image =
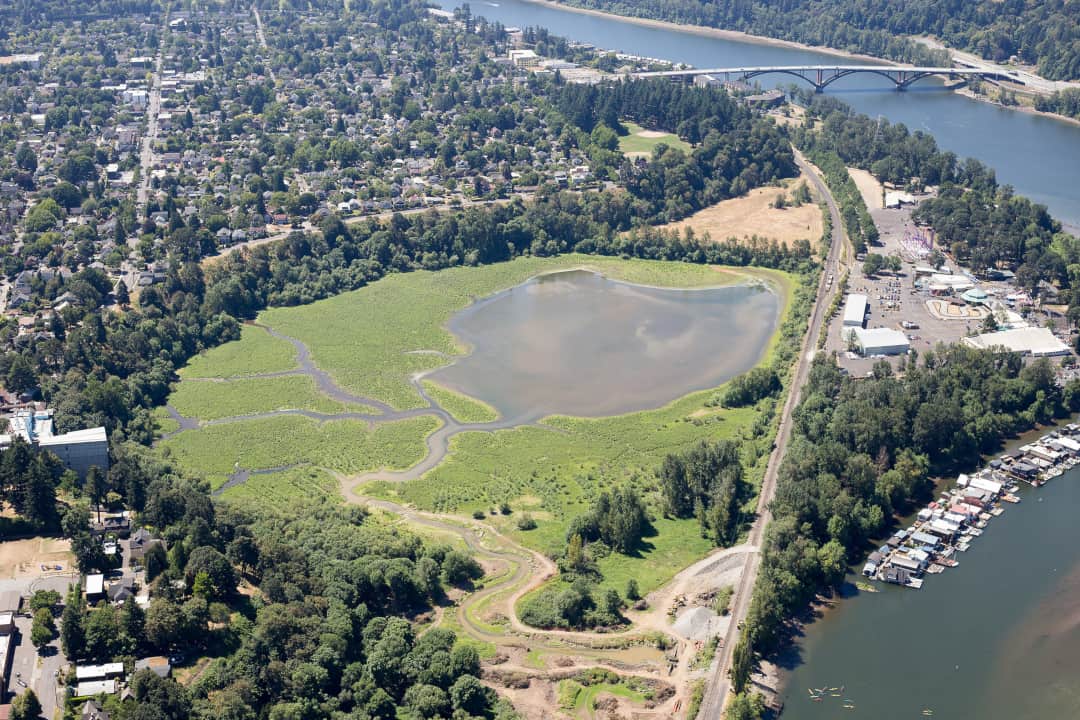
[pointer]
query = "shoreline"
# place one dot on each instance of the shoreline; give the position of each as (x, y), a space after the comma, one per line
(823, 606)
(741, 36)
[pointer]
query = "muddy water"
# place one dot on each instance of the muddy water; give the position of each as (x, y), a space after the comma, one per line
(577, 343)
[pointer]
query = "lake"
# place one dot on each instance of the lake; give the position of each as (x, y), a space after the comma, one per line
(577, 343)
(1038, 155)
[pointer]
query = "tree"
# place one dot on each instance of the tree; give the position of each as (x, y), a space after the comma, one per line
(25, 158)
(47, 599)
(459, 569)
(95, 488)
(21, 377)
(632, 592)
(220, 577)
(123, 297)
(72, 634)
(742, 663)
(26, 706)
(873, 264)
(468, 694)
(155, 561)
(43, 628)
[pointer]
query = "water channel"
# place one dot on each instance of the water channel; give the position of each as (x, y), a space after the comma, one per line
(1038, 155)
(577, 343)
(999, 636)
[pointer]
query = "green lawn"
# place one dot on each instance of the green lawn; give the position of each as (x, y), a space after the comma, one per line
(633, 142)
(345, 446)
(462, 407)
(256, 352)
(210, 399)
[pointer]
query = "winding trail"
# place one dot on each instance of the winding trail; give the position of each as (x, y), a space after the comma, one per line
(527, 570)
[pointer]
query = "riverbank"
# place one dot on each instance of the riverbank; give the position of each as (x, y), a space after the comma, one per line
(827, 613)
(740, 36)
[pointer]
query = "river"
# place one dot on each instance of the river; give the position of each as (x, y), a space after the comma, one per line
(1038, 155)
(996, 638)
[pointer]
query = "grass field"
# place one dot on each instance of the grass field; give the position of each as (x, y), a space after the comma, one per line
(256, 352)
(163, 422)
(754, 214)
(345, 446)
(283, 489)
(640, 141)
(462, 407)
(210, 400)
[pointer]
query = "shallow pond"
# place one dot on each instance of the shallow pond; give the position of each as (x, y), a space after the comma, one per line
(577, 343)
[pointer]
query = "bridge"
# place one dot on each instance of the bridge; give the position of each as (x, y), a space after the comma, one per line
(821, 76)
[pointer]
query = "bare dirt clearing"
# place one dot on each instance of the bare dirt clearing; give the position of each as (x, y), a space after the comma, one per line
(754, 214)
(25, 558)
(869, 187)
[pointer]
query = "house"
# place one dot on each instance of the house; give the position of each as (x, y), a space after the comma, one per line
(106, 671)
(122, 591)
(157, 664)
(95, 687)
(141, 541)
(91, 710)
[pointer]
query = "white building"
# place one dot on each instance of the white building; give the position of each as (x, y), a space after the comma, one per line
(855, 310)
(79, 450)
(524, 58)
(880, 341)
(1034, 341)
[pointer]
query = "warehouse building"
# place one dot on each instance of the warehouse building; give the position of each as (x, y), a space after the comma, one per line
(1034, 341)
(855, 308)
(879, 341)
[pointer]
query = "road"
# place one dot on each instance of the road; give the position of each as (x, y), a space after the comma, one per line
(28, 667)
(262, 41)
(716, 692)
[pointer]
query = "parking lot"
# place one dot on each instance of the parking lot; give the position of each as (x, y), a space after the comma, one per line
(894, 300)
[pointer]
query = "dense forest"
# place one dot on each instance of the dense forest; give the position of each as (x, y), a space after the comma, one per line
(864, 450)
(1044, 34)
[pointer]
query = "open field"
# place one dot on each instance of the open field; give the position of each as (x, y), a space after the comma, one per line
(346, 446)
(256, 352)
(211, 400)
(754, 214)
(163, 422)
(463, 408)
(24, 558)
(640, 142)
(368, 340)
(282, 489)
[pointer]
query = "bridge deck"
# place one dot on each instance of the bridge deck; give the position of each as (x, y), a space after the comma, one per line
(816, 68)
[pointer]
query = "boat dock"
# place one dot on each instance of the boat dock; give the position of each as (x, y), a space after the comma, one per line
(948, 525)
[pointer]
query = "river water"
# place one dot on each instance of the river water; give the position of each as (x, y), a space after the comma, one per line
(577, 343)
(996, 638)
(1038, 155)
